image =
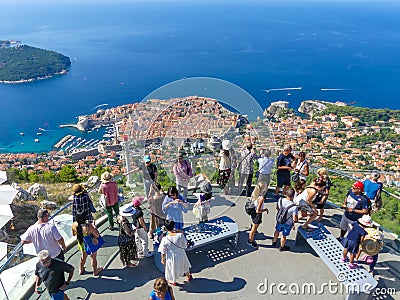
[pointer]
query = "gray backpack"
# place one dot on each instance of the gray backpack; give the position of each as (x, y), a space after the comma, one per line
(282, 215)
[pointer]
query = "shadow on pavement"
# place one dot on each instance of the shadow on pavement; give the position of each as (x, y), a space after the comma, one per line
(205, 285)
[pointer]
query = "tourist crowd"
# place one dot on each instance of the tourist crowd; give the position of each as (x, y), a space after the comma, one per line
(305, 200)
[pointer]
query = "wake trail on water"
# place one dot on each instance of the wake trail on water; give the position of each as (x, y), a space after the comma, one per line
(283, 89)
(100, 105)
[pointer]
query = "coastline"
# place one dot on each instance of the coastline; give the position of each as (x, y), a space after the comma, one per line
(62, 72)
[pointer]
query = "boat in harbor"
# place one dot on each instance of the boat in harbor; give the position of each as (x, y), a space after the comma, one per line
(21, 134)
(36, 140)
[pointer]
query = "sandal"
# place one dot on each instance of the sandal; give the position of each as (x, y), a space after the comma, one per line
(82, 271)
(98, 271)
(190, 278)
(172, 283)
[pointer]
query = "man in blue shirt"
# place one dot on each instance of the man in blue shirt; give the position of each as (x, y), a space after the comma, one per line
(355, 205)
(373, 190)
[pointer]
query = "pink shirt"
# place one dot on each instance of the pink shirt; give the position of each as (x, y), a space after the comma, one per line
(110, 189)
(43, 237)
(183, 172)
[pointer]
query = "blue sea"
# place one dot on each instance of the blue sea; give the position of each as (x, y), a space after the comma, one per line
(121, 51)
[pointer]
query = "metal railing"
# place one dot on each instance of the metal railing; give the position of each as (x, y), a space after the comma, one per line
(17, 253)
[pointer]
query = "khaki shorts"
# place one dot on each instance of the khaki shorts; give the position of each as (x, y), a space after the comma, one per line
(345, 223)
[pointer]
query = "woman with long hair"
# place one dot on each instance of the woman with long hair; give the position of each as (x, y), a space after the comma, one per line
(303, 169)
(256, 217)
(174, 206)
(156, 198)
(80, 228)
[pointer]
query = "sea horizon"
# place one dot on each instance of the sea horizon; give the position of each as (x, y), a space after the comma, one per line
(122, 52)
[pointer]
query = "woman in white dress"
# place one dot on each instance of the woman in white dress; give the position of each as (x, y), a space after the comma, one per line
(173, 255)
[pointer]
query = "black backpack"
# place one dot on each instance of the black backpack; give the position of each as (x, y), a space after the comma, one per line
(281, 216)
(249, 207)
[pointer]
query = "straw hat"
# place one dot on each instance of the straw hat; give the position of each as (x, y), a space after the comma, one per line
(373, 242)
(77, 189)
(106, 177)
(127, 210)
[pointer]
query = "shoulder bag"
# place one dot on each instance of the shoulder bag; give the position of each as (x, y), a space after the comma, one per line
(92, 244)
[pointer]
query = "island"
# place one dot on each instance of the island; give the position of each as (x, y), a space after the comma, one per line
(22, 63)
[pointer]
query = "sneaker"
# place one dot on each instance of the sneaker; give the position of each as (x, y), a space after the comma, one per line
(344, 259)
(284, 248)
(149, 254)
(352, 266)
(252, 244)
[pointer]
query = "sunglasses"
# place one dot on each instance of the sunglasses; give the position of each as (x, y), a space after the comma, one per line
(46, 261)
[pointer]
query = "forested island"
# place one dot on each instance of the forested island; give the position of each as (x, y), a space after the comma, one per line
(24, 63)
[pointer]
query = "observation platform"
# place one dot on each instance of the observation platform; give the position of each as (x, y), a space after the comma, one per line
(221, 271)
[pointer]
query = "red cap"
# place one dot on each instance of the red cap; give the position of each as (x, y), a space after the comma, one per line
(359, 185)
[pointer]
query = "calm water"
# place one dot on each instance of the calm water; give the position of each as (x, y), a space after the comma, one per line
(122, 51)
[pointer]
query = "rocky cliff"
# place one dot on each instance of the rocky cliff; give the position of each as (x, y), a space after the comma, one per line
(274, 109)
(310, 107)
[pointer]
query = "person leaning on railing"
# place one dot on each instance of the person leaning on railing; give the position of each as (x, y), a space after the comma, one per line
(44, 235)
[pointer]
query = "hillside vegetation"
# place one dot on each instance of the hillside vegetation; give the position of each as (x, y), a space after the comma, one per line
(366, 115)
(22, 63)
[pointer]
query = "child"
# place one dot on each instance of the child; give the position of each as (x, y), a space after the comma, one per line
(285, 226)
(161, 290)
(256, 218)
(355, 236)
(141, 229)
(202, 206)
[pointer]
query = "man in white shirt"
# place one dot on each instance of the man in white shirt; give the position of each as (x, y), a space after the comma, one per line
(265, 165)
(286, 225)
(45, 236)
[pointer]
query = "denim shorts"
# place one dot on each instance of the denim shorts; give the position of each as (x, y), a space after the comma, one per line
(284, 228)
(57, 296)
